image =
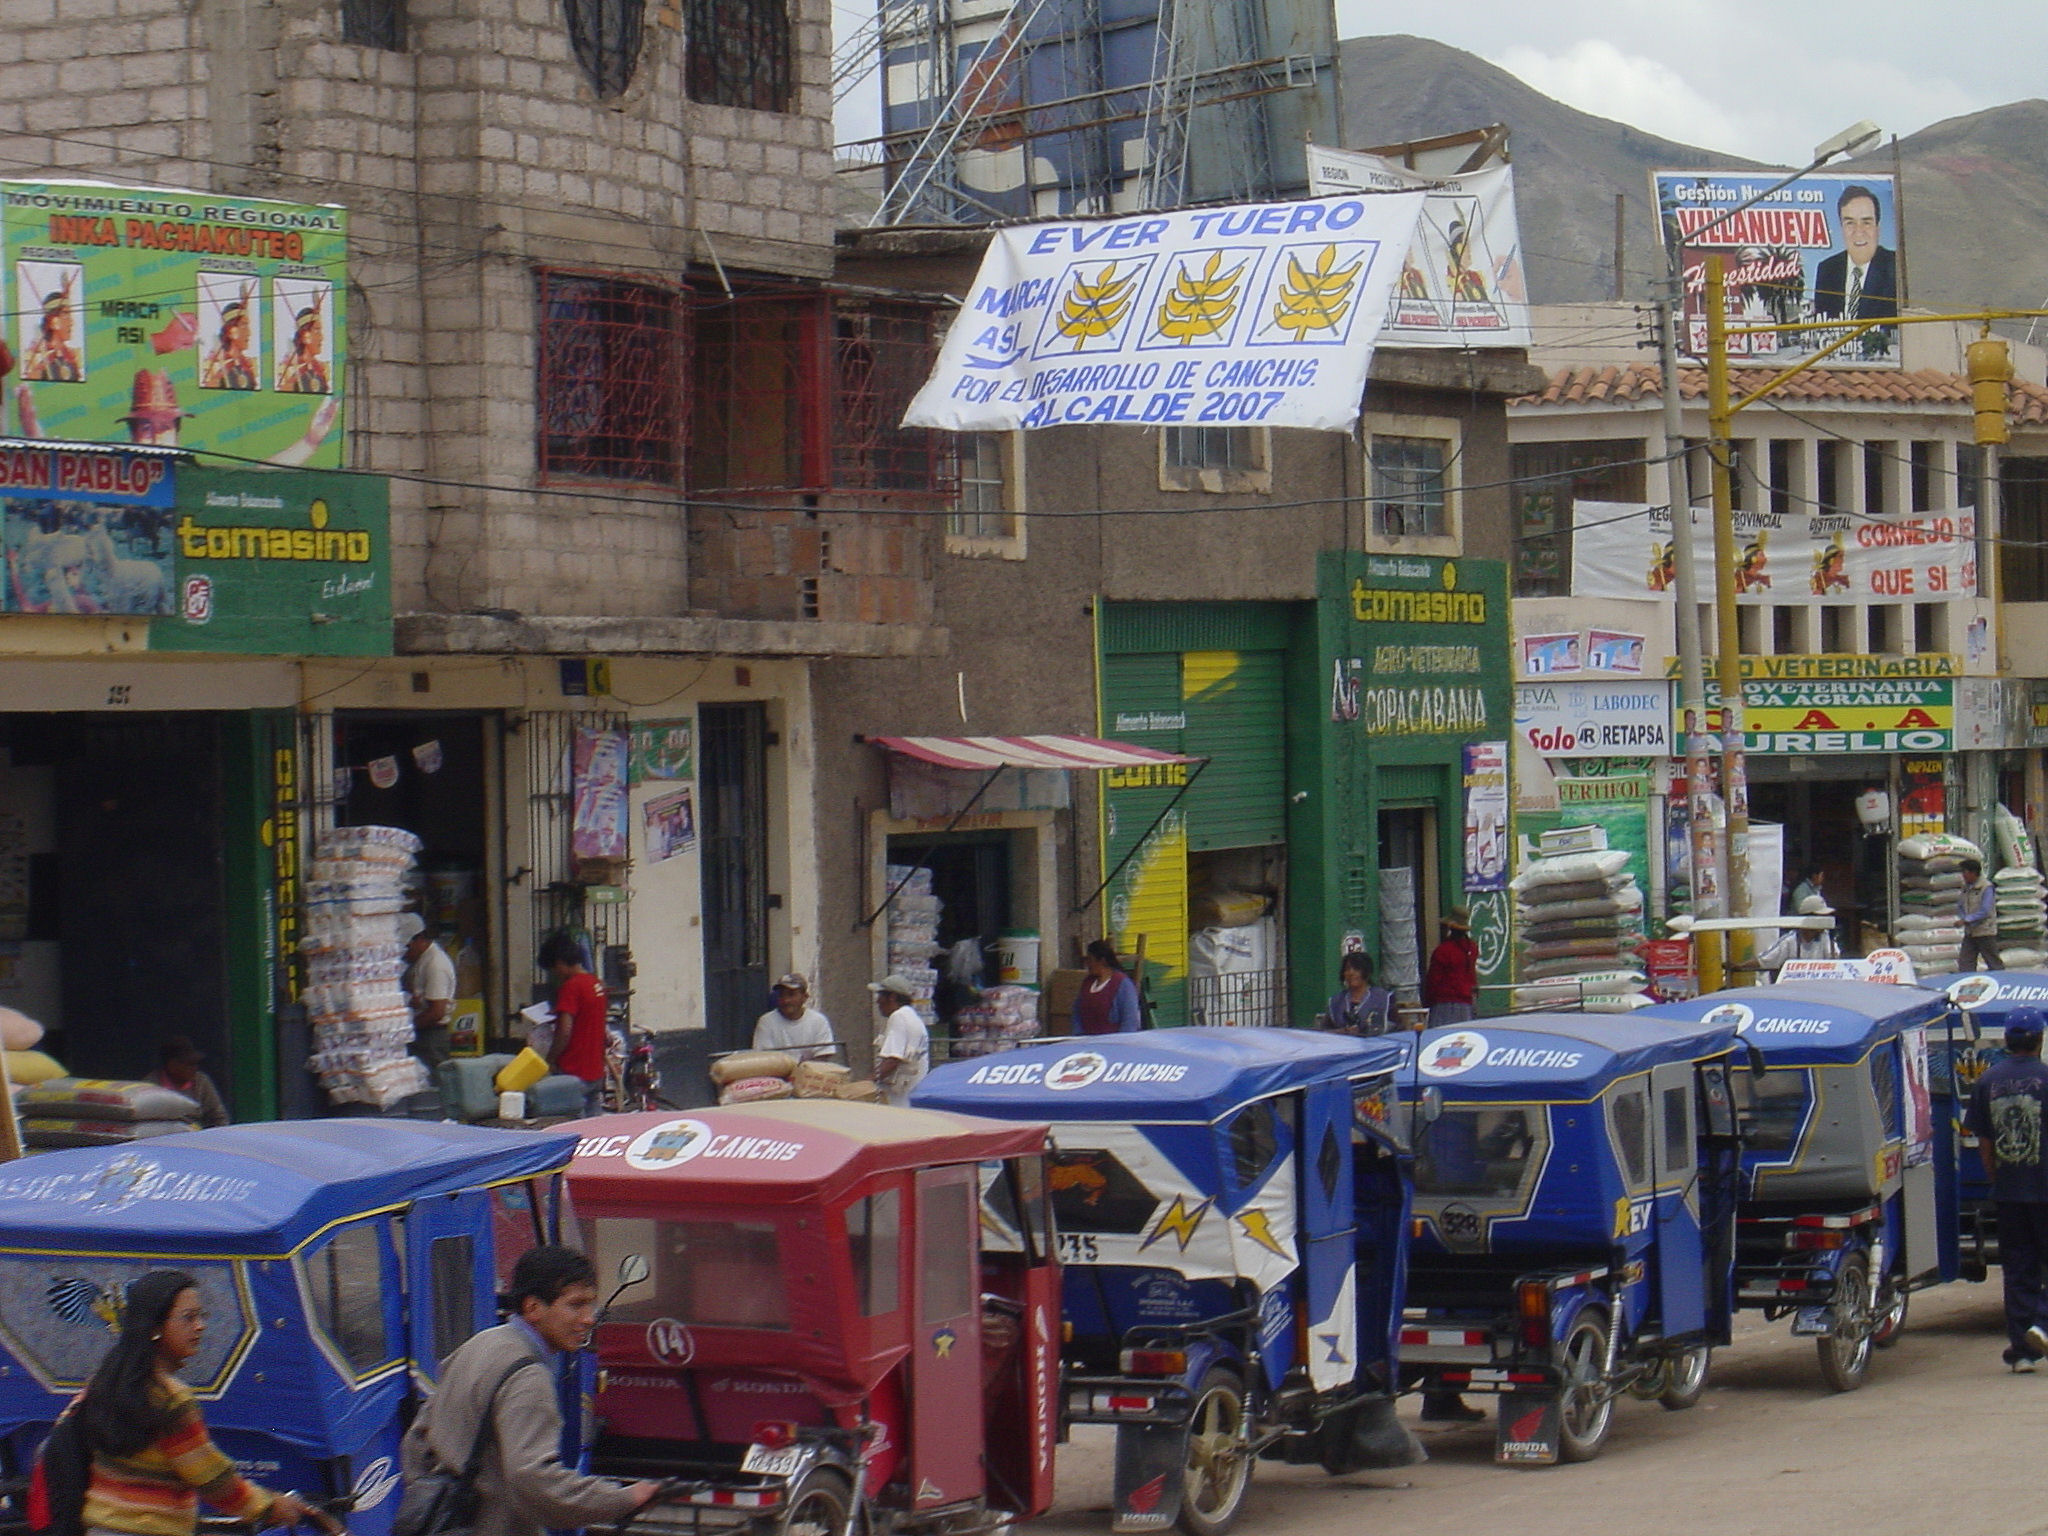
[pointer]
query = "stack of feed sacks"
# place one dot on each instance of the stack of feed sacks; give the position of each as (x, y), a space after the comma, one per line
(2022, 916)
(355, 889)
(1578, 933)
(88, 1112)
(1930, 890)
(914, 933)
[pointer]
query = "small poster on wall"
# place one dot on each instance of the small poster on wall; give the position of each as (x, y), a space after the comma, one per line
(1486, 816)
(670, 822)
(598, 772)
(664, 749)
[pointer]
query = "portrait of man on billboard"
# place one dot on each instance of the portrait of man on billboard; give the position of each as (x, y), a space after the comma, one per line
(1860, 281)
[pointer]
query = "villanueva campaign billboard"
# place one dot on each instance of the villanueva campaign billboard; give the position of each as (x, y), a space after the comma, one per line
(1821, 250)
(1461, 282)
(1256, 314)
(1624, 549)
(178, 319)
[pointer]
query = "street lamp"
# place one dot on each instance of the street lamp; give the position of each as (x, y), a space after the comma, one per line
(1685, 581)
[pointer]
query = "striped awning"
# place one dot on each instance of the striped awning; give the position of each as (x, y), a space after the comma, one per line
(982, 753)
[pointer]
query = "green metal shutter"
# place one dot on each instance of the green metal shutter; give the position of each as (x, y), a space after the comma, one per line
(1235, 702)
(1141, 704)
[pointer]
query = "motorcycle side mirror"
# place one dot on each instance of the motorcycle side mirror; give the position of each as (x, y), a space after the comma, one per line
(1432, 1105)
(633, 1271)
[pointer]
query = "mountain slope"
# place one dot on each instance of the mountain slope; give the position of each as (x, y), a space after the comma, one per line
(1975, 187)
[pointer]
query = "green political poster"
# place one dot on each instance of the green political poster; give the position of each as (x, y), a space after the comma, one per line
(176, 318)
(279, 563)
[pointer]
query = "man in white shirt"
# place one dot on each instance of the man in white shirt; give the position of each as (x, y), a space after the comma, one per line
(793, 1025)
(903, 1048)
(430, 986)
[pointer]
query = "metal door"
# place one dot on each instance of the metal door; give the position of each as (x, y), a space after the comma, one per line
(733, 782)
(947, 1423)
(1329, 1235)
(449, 1275)
(1681, 1254)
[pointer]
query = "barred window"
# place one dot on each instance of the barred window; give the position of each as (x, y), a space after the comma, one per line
(610, 379)
(738, 53)
(605, 37)
(1213, 448)
(1408, 487)
(374, 24)
(983, 496)
(885, 350)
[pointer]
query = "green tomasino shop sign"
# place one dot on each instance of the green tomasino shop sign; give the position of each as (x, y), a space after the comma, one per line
(1414, 667)
(280, 563)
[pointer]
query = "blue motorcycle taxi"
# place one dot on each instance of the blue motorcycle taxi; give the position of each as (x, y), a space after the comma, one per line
(1575, 1186)
(339, 1261)
(1231, 1207)
(1849, 1188)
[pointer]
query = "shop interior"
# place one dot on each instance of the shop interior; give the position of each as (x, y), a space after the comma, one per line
(1410, 897)
(438, 794)
(973, 878)
(113, 899)
(1237, 957)
(1820, 821)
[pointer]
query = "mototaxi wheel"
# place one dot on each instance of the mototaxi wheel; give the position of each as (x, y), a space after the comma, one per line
(1217, 1467)
(1893, 1303)
(1844, 1350)
(817, 1505)
(1586, 1406)
(1685, 1379)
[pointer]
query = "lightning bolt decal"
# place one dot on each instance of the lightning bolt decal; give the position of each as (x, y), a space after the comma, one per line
(1260, 1230)
(1178, 1222)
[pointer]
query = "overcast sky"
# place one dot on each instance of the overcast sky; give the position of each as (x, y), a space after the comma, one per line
(1760, 78)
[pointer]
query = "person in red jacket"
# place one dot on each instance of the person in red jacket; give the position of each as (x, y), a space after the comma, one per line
(579, 1042)
(1450, 988)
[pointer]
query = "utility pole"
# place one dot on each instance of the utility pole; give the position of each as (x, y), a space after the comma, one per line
(1692, 679)
(1734, 766)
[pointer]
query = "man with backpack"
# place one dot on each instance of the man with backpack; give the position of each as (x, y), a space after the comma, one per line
(496, 1411)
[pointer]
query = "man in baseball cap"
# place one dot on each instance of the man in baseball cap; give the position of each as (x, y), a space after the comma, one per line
(903, 1048)
(2008, 1116)
(793, 1025)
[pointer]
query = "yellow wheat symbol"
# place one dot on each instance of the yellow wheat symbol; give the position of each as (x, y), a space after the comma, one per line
(1200, 306)
(1315, 301)
(1095, 309)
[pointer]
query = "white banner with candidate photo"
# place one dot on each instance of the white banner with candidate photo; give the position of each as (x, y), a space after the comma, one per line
(1823, 249)
(1261, 314)
(1620, 549)
(1461, 283)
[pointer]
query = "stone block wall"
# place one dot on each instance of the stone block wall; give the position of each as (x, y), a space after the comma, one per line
(869, 567)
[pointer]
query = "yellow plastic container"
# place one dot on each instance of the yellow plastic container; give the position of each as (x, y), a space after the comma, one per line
(521, 1072)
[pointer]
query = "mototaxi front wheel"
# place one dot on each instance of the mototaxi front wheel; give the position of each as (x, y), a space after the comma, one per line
(1685, 1379)
(1844, 1350)
(1217, 1467)
(1893, 1302)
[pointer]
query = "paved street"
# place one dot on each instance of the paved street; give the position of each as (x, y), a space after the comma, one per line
(1939, 1439)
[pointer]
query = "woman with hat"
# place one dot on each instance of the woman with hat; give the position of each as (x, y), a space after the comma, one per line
(1450, 987)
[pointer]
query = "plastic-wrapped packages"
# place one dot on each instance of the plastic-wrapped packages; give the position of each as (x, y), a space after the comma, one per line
(752, 1090)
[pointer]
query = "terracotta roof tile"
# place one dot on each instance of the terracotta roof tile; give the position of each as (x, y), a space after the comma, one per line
(1841, 386)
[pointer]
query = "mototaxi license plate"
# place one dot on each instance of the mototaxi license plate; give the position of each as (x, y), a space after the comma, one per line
(781, 1463)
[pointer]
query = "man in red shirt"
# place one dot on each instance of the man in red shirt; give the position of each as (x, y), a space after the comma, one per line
(579, 1042)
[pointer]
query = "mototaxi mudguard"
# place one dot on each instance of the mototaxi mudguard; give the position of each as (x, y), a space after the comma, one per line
(1147, 1485)
(1528, 1424)
(1816, 1318)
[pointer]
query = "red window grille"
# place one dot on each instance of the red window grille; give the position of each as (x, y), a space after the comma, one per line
(610, 375)
(805, 392)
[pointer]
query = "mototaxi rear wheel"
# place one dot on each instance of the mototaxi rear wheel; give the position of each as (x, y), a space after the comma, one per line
(1844, 1350)
(1893, 1302)
(1217, 1468)
(817, 1506)
(1586, 1405)
(1685, 1379)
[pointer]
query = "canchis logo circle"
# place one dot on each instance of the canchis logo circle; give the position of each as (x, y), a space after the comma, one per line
(1975, 990)
(1455, 1054)
(1738, 1015)
(1076, 1071)
(668, 1145)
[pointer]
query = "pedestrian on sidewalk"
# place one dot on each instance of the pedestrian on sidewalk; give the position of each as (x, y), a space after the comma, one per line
(903, 1047)
(153, 1462)
(2008, 1113)
(578, 1049)
(499, 1390)
(1978, 912)
(1450, 987)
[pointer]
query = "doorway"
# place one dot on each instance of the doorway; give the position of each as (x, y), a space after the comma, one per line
(971, 876)
(1409, 893)
(733, 782)
(1821, 825)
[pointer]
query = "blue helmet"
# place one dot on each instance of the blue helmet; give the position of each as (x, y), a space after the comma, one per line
(2023, 1027)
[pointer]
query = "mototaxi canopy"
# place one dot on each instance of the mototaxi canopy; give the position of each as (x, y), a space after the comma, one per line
(1988, 996)
(1556, 1056)
(1189, 1075)
(1811, 1023)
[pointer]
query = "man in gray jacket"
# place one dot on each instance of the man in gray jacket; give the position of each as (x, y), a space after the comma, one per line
(523, 1488)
